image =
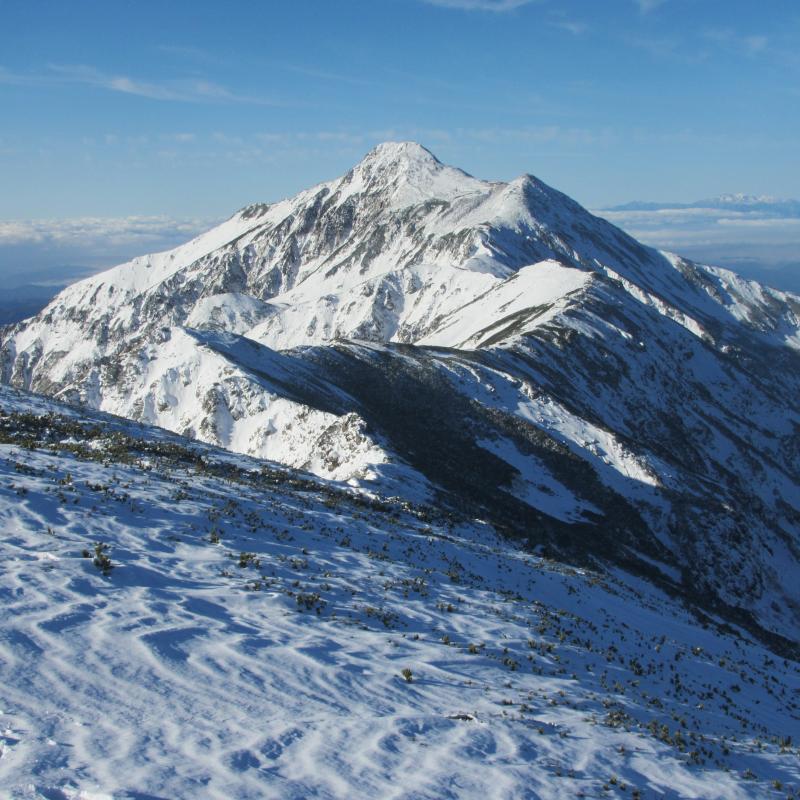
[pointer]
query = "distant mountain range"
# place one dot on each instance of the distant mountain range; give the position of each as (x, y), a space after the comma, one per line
(492, 348)
(764, 204)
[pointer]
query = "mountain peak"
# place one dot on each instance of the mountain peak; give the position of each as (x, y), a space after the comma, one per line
(394, 152)
(739, 198)
(408, 173)
(407, 161)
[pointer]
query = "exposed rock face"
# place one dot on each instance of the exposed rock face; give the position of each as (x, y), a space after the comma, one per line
(494, 344)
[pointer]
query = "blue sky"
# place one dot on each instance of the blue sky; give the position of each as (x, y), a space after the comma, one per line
(185, 111)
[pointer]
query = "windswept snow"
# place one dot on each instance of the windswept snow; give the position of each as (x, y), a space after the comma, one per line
(263, 634)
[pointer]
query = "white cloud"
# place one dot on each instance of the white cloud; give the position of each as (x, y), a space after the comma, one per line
(99, 232)
(186, 90)
(57, 251)
(538, 134)
(751, 45)
(676, 228)
(780, 225)
(570, 25)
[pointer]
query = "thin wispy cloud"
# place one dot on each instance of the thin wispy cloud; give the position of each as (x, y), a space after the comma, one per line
(185, 90)
(181, 138)
(189, 53)
(341, 137)
(749, 45)
(18, 79)
(755, 44)
(646, 6)
(533, 134)
(571, 26)
(181, 90)
(536, 134)
(670, 48)
(326, 75)
(481, 5)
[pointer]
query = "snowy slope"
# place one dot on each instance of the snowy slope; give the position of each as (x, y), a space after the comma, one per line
(489, 346)
(251, 636)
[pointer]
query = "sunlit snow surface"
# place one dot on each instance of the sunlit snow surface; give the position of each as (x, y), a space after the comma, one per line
(406, 330)
(182, 674)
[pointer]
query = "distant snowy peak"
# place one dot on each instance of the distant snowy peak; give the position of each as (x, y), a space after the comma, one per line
(392, 161)
(397, 157)
(407, 174)
(764, 205)
(395, 176)
(399, 208)
(745, 199)
(761, 204)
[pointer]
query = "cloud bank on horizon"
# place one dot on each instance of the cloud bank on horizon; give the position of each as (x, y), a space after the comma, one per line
(760, 242)
(59, 251)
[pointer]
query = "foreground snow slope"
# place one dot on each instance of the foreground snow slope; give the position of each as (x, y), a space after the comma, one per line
(251, 637)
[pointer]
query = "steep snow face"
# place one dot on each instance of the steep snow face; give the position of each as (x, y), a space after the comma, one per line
(229, 311)
(493, 344)
(530, 297)
(208, 387)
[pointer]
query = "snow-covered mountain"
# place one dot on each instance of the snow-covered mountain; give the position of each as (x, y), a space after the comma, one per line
(180, 621)
(491, 346)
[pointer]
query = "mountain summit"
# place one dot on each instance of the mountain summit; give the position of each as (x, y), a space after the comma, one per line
(410, 329)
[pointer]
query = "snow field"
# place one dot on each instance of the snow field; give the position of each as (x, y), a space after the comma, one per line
(251, 638)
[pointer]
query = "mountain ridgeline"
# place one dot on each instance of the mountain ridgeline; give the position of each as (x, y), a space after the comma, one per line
(491, 347)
